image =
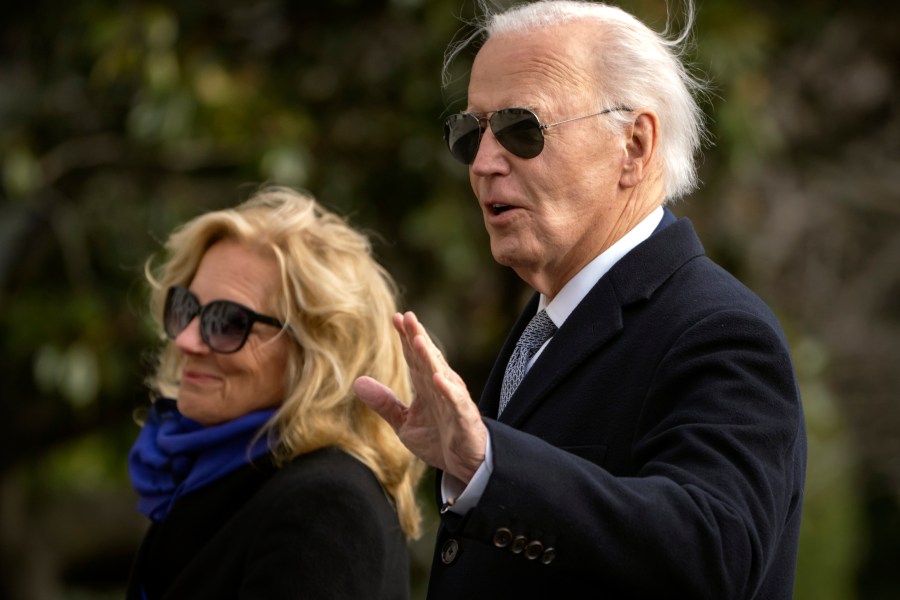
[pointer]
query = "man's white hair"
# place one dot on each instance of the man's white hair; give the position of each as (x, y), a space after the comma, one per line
(638, 68)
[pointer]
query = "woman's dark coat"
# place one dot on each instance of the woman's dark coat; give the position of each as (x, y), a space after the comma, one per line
(320, 527)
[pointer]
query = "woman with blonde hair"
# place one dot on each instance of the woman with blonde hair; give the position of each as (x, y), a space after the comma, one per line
(262, 473)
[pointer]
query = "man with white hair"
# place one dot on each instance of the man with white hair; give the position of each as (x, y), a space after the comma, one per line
(641, 434)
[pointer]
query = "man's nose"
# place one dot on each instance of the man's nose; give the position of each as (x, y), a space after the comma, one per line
(491, 156)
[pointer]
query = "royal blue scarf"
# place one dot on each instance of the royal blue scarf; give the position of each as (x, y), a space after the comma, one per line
(174, 455)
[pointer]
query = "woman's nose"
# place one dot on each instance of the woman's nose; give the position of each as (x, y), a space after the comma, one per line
(189, 340)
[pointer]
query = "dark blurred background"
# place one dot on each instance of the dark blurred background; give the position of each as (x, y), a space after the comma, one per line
(120, 120)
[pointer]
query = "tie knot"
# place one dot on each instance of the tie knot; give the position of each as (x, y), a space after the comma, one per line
(538, 331)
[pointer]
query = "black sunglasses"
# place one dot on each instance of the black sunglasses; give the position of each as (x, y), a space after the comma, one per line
(517, 129)
(224, 325)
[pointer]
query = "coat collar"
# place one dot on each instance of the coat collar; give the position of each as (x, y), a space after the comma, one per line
(594, 321)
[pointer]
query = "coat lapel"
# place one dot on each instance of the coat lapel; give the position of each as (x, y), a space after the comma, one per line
(593, 322)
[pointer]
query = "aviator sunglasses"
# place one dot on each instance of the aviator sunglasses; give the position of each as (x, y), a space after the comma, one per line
(224, 325)
(517, 129)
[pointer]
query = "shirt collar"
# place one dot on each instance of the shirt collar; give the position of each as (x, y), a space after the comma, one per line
(578, 287)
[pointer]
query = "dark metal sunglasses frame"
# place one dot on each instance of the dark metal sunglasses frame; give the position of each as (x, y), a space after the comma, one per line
(517, 129)
(224, 325)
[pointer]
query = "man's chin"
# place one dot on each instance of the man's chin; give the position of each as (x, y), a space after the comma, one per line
(511, 255)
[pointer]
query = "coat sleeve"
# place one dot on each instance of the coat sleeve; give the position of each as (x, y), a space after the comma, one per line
(717, 462)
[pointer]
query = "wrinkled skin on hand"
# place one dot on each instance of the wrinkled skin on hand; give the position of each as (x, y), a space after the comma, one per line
(442, 426)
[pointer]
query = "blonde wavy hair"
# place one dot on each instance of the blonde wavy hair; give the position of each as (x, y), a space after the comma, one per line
(336, 302)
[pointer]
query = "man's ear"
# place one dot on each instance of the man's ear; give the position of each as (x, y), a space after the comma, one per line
(640, 145)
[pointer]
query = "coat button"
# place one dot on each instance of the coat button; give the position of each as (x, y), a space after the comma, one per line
(533, 550)
(548, 556)
(502, 537)
(450, 551)
(518, 544)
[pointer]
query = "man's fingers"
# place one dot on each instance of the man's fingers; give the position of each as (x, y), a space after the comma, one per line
(381, 399)
(453, 389)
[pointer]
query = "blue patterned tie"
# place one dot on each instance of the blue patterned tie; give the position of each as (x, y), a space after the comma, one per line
(539, 330)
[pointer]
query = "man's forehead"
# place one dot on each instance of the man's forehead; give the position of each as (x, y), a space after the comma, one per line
(527, 70)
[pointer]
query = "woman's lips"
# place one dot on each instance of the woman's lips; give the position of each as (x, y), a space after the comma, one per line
(197, 377)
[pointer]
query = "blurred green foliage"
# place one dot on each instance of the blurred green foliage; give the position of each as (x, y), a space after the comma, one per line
(120, 120)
